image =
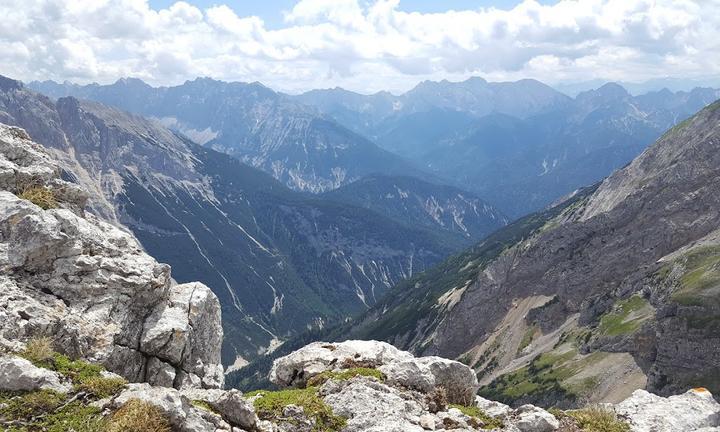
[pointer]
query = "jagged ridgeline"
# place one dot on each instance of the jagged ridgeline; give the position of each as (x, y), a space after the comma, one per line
(613, 290)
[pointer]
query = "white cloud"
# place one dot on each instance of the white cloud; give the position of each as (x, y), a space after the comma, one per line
(359, 44)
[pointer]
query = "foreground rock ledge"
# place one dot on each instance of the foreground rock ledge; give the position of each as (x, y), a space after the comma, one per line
(89, 286)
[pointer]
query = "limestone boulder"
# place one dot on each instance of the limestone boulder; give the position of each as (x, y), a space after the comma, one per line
(315, 358)
(690, 411)
(18, 374)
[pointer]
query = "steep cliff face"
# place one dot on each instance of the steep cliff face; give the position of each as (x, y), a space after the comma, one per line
(611, 291)
(410, 200)
(88, 285)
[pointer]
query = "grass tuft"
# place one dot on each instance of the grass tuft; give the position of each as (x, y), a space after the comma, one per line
(271, 404)
(102, 387)
(138, 416)
(40, 196)
(596, 419)
(39, 351)
(486, 421)
(344, 375)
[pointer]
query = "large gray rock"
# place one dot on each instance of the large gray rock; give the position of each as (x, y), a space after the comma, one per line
(90, 286)
(185, 330)
(230, 404)
(534, 419)
(425, 374)
(492, 408)
(373, 407)
(299, 366)
(691, 411)
(179, 410)
(18, 374)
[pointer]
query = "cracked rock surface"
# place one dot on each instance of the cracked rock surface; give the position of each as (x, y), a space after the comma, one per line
(89, 285)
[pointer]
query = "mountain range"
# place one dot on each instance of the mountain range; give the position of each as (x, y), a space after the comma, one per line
(297, 145)
(280, 261)
(518, 145)
(609, 287)
(614, 289)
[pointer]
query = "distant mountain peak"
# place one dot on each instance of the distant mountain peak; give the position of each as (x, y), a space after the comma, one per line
(8, 84)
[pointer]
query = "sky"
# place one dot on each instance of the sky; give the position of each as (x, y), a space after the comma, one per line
(361, 45)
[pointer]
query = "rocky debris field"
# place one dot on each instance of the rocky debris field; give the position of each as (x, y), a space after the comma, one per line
(351, 386)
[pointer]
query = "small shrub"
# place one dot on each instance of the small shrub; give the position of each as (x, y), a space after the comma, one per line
(101, 387)
(40, 196)
(39, 351)
(598, 419)
(138, 416)
(437, 400)
(486, 421)
(272, 403)
(344, 375)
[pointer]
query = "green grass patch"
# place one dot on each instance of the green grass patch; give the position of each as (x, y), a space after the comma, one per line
(701, 277)
(101, 387)
(270, 405)
(344, 375)
(43, 410)
(597, 419)
(530, 335)
(475, 412)
(544, 376)
(29, 405)
(201, 404)
(75, 417)
(78, 371)
(618, 321)
(85, 376)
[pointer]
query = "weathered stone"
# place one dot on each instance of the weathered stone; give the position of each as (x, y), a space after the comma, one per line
(693, 410)
(18, 374)
(315, 358)
(534, 419)
(230, 404)
(90, 286)
(178, 409)
(427, 373)
(428, 421)
(372, 406)
(492, 408)
(159, 373)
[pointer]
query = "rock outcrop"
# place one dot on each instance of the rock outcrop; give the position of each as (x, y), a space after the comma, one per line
(695, 410)
(18, 374)
(296, 368)
(378, 403)
(89, 285)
